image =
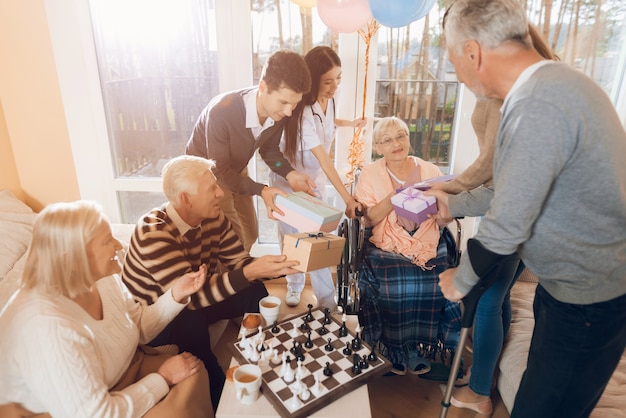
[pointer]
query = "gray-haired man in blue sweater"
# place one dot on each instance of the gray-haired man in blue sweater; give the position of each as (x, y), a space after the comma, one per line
(559, 201)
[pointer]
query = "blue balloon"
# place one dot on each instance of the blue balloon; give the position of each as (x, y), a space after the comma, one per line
(399, 13)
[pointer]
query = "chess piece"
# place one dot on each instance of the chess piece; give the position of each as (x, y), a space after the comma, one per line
(329, 346)
(356, 342)
(299, 354)
(254, 355)
(293, 348)
(275, 329)
(323, 330)
(327, 370)
(327, 316)
(372, 356)
(343, 330)
(316, 389)
(288, 376)
(308, 343)
(300, 371)
(305, 394)
(309, 315)
(244, 341)
(275, 358)
(304, 326)
(294, 403)
(363, 364)
(283, 367)
(356, 369)
(347, 351)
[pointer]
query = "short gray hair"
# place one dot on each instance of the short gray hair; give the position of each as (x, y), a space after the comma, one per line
(488, 22)
(181, 174)
(384, 124)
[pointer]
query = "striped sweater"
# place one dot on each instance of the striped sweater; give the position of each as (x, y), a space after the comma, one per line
(158, 255)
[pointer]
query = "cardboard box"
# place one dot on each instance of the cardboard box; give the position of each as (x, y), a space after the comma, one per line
(411, 203)
(307, 213)
(313, 250)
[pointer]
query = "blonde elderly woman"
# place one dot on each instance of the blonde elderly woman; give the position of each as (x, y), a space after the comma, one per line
(402, 309)
(71, 333)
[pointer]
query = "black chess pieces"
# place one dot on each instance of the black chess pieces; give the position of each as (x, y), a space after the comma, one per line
(363, 364)
(372, 356)
(329, 346)
(323, 330)
(327, 370)
(343, 330)
(347, 351)
(356, 368)
(309, 315)
(299, 354)
(327, 316)
(308, 343)
(304, 327)
(275, 329)
(356, 343)
(293, 348)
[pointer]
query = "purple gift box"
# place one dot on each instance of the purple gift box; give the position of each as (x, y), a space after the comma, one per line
(411, 203)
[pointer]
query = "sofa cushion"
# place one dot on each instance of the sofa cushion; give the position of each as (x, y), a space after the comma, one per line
(16, 223)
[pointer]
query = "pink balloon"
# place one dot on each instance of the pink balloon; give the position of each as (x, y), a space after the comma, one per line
(344, 15)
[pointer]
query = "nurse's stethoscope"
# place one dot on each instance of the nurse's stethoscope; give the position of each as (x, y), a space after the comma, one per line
(315, 114)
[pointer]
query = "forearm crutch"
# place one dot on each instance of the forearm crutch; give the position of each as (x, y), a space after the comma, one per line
(489, 266)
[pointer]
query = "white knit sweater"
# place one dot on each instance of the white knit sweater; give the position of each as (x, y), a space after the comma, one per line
(56, 358)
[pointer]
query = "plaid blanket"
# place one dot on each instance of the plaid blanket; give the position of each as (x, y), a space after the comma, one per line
(402, 308)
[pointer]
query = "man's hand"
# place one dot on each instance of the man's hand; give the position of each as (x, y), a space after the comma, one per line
(447, 286)
(301, 182)
(179, 367)
(189, 284)
(268, 194)
(443, 216)
(269, 267)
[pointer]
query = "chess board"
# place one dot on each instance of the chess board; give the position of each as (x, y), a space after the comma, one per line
(289, 333)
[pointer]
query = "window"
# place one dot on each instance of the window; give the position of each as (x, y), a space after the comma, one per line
(126, 181)
(157, 63)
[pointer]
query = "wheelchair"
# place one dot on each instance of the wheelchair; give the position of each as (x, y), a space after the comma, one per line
(347, 288)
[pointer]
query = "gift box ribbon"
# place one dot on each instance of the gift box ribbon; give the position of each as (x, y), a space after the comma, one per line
(411, 194)
(316, 236)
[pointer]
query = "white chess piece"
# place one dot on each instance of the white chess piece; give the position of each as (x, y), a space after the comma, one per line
(294, 403)
(300, 372)
(288, 376)
(316, 389)
(254, 355)
(283, 367)
(275, 358)
(305, 394)
(244, 341)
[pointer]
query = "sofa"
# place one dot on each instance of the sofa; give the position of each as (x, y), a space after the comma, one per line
(515, 352)
(16, 224)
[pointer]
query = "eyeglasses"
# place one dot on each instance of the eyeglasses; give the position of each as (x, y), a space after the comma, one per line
(388, 140)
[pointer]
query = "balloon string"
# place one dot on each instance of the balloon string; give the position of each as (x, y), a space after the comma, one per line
(355, 157)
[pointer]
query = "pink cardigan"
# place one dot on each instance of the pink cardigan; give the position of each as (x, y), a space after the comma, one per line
(374, 184)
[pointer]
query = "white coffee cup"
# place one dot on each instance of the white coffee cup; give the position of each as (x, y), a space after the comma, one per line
(247, 380)
(269, 307)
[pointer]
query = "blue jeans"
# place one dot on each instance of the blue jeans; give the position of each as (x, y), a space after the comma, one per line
(573, 353)
(491, 324)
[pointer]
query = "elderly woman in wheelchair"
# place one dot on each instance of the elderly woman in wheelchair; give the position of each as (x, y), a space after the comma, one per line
(402, 309)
